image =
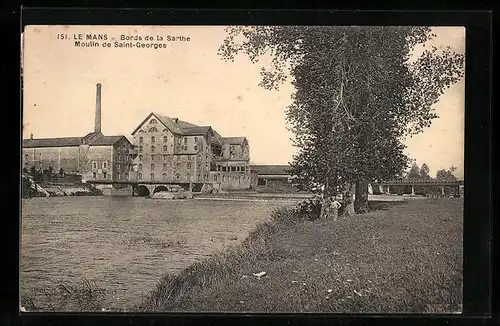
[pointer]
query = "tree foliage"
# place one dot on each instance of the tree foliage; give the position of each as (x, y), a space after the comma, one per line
(414, 173)
(357, 94)
(446, 175)
(424, 171)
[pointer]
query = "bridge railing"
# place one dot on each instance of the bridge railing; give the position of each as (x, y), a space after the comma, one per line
(419, 182)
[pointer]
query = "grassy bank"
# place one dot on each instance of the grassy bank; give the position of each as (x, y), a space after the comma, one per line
(404, 259)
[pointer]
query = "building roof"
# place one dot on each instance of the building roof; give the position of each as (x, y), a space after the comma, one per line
(107, 140)
(192, 131)
(52, 142)
(70, 141)
(233, 140)
(182, 127)
(271, 169)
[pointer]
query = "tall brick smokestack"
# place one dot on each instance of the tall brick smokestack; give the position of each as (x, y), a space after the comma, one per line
(97, 127)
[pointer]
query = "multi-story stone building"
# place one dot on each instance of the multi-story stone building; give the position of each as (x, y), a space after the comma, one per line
(175, 151)
(94, 156)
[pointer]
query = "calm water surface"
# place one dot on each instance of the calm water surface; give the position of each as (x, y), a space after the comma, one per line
(126, 244)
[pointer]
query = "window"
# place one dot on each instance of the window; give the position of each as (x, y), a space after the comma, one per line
(215, 177)
(94, 175)
(164, 148)
(118, 168)
(189, 157)
(188, 177)
(141, 140)
(140, 149)
(164, 175)
(195, 139)
(140, 157)
(152, 176)
(140, 167)
(153, 129)
(139, 176)
(153, 122)
(185, 141)
(153, 139)
(195, 147)
(119, 176)
(165, 139)
(104, 175)
(189, 165)
(26, 157)
(177, 176)
(152, 157)
(164, 166)
(164, 157)
(178, 165)
(152, 149)
(152, 166)
(105, 164)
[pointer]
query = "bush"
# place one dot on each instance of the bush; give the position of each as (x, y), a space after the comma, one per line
(310, 209)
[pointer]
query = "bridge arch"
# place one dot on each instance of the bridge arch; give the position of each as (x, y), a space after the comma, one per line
(160, 188)
(142, 191)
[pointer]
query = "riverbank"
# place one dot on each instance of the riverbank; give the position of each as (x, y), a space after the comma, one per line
(406, 259)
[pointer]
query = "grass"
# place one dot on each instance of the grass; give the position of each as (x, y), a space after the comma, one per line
(400, 258)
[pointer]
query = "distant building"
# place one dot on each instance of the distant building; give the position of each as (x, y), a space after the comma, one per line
(175, 151)
(272, 175)
(94, 156)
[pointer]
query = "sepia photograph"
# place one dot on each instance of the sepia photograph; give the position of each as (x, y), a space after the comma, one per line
(242, 169)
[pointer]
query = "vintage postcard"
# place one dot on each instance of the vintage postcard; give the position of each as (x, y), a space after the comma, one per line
(261, 169)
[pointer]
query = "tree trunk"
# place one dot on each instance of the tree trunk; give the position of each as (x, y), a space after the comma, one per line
(328, 208)
(361, 198)
(348, 202)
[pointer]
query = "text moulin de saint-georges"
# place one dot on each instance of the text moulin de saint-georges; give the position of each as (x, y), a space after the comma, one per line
(86, 40)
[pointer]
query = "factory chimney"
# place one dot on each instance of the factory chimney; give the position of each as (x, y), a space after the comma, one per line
(97, 127)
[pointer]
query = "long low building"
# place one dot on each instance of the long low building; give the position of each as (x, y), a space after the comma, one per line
(271, 175)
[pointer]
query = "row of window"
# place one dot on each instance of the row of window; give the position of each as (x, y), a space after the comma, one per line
(233, 179)
(231, 168)
(174, 157)
(105, 165)
(177, 177)
(165, 148)
(165, 139)
(170, 164)
(104, 175)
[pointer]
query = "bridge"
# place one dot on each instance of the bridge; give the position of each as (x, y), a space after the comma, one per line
(146, 188)
(421, 182)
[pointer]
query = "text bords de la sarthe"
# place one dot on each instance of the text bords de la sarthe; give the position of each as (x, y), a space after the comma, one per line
(89, 40)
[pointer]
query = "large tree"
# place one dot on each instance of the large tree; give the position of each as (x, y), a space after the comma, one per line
(357, 96)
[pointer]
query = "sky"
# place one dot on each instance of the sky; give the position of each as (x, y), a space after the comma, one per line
(188, 80)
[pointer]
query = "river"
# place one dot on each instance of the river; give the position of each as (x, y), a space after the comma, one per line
(125, 244)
